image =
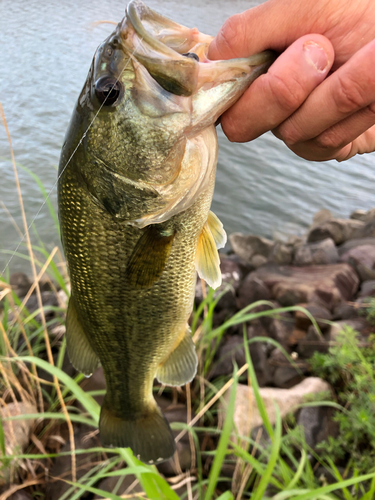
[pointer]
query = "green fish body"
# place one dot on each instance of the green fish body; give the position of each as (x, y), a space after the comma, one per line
(136, 180)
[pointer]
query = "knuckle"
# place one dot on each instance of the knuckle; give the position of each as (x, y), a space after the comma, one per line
(289, 95)
(231, 35)
(349, 95)
(330, 141)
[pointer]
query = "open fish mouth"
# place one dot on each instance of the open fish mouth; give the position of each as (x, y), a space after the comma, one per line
(176, 56)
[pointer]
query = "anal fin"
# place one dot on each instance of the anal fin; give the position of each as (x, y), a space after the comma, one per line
(207, 261)
(181, 365)
(149, 257)
(81, 354)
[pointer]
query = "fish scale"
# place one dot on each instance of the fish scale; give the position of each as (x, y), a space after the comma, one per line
(134, 207)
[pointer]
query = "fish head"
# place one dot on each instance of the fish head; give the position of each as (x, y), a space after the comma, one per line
(151, 89)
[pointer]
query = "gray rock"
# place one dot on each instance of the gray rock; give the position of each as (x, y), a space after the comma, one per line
(368, 228)
(16, 435)
(323, 215)
(313, 342)
(248, 246)
(247, 416)
(20, 284)
(358, 215)
(288, 376)
(258, 260)
(251, 290)
(359, 324)
(230, 351)
(281, 254)
(18, 495)
(367, 289)
(326, 285)
(62, 466)
(322, 252)
(319, 313)
(317, 424)
(345, 310)
(356, 242)
(340, 230)
(362, 258)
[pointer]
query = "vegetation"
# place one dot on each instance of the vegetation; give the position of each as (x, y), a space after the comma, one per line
(281, 467)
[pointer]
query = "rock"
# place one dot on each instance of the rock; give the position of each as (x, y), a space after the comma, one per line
(357, 242)
(367, 289)
(20, 284)
(322, 252)
(358, 215)
(230, 351)
(317, 424)
(359, 324)
(326, 285)
(16, 433)
(345, 310)
(319, 313)
(285, 374)
(296, 336)
(288, 376)
(62, 466)
(340, 230)
(313, 342)
(367, 230)
(258, 261)
(362, 258)
(248, 246)
(21, 494)
(247, 416)
(251, 290)
(323, 215)
(232, 274)
(126, 487)
(281, 254)
(48, 299)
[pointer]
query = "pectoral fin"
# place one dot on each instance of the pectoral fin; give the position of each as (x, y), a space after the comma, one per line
(181, 365)
(207, 260)
(81, 354)
(149, 257)
(217, 230)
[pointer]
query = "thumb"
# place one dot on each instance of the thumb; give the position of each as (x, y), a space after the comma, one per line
(271, 25)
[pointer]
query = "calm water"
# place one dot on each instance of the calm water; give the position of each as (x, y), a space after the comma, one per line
(45, 52)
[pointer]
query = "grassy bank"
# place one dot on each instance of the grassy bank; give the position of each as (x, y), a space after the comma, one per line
(276, 463)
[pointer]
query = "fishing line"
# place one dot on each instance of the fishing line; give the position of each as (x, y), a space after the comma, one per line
(67, 163)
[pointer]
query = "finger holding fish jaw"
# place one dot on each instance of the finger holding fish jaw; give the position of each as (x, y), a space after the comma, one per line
(276, 95)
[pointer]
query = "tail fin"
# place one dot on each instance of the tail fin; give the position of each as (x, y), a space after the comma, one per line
(150, 436)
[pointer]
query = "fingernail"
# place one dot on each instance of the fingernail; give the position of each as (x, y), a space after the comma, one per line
(315, 55)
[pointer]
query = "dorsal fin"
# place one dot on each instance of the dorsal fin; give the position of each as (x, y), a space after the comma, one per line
(217, 230)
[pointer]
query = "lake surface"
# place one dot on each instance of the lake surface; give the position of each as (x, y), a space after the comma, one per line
(46, 49)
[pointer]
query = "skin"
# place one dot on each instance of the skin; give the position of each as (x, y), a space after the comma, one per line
(319, 96)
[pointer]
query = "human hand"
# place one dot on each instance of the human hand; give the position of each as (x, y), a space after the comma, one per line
(319, 117)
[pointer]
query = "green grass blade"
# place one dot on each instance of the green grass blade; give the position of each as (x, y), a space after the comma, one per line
(85, 399)
(223, 442)
(226, 496)
(276, 443)
(255, 386)
(313, 494)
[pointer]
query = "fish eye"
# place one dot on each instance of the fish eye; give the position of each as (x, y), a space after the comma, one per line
(108, 90)
(192, 55)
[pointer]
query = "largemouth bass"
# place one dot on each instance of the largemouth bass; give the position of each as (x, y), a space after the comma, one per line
(136, 180)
